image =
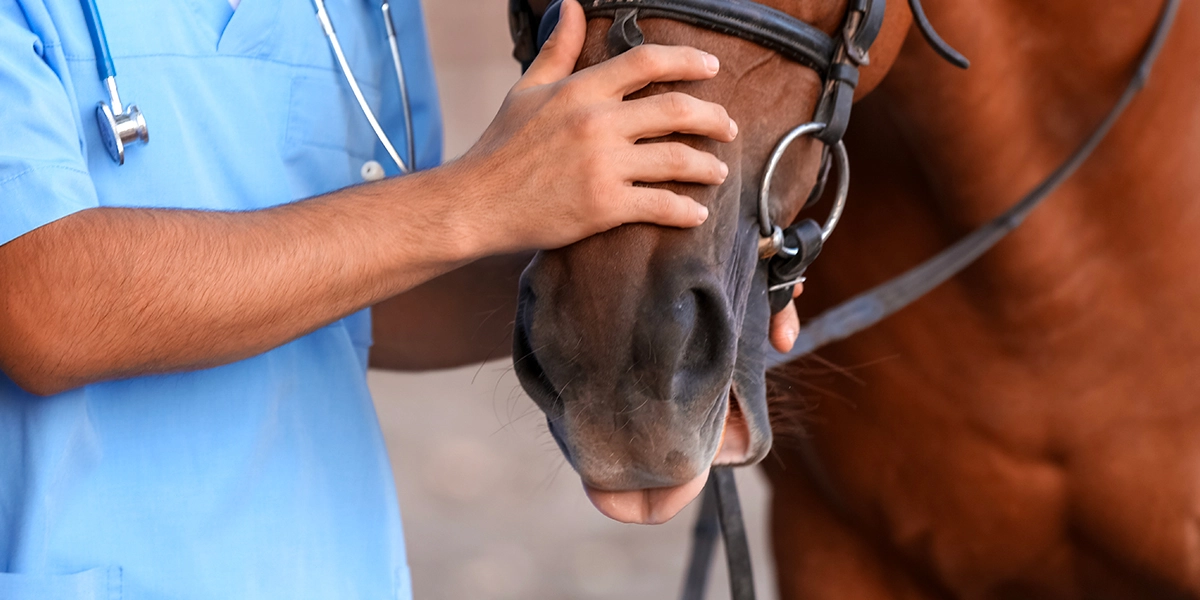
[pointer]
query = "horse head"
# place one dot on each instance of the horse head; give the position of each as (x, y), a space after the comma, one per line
(646, 346)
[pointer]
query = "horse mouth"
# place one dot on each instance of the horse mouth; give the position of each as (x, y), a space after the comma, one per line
(655, 506)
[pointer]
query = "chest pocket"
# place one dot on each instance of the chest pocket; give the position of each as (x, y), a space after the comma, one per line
(327, 138)
(324, 113)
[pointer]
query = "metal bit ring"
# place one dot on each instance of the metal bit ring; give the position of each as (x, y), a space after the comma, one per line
(767, 245)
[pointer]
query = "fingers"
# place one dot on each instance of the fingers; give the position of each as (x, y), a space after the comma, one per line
(675, 112)
(664, 207)
(558, 56)
(785, 326)
(648, 64)
(673, 161)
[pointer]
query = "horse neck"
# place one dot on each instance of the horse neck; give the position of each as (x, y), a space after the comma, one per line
(1043, 76)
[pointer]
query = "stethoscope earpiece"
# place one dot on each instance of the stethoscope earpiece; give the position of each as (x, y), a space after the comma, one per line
(121, 128)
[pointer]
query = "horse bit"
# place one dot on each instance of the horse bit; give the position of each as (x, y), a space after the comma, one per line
(789, 251)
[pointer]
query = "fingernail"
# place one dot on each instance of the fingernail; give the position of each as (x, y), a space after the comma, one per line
(733, 128)
(712, 63)
(703, 213)
(789, 333)
(724, 171)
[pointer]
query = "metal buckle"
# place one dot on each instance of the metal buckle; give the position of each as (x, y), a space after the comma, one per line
(857, 55)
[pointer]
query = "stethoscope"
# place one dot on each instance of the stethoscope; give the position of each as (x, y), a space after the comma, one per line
(121, 126)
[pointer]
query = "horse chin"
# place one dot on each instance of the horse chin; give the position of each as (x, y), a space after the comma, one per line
(659, 505)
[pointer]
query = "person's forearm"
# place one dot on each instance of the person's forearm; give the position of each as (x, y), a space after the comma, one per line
(109, 293)
(459, 318)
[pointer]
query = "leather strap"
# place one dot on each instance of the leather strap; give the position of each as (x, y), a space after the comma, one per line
(859, 32)
(750, 21)
(720, 505)
(704, 543)
(872, 23)
(737, 548)
(867, 309)
(522, 27)
(946, 51)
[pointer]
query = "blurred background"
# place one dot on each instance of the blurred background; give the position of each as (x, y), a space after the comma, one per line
(491, 510)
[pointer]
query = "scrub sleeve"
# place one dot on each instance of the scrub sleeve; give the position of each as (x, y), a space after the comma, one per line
(43, 172)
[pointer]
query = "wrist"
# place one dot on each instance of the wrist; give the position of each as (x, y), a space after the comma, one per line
(433, 214)
(476, 228)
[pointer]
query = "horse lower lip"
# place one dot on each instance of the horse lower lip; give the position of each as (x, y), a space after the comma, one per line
(659, 505)
(646, 507)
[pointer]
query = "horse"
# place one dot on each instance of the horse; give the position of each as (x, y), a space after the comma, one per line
(1028, 429)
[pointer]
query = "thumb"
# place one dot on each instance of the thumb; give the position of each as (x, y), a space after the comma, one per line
(560, 53)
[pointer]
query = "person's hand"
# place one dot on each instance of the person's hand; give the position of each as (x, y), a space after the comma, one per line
(560, 161)
(785, 325)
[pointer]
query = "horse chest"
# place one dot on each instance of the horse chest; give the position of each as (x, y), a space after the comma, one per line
(985, 480)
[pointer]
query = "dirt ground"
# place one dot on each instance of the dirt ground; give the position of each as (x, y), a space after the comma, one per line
(491, 510)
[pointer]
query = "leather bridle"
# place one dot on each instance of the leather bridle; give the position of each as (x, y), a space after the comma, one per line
(790, 251)
(787, 251)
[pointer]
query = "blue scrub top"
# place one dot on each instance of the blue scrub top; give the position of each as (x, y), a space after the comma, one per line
(263, 479)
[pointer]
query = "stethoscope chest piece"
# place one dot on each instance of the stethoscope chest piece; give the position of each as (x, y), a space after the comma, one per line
(119, 125)
(120, 129)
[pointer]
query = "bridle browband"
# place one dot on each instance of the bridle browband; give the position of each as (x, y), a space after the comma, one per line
(790, 251)
(793, 39)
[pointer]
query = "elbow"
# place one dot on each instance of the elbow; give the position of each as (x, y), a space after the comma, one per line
(32, 360)
(37, 384)
(24, 371)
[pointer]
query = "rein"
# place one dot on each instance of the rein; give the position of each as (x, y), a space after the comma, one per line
(788, 252)
(871, 307)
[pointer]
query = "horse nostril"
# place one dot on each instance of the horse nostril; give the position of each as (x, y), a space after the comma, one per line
(702, 349)
(686, 347)
(525, 361)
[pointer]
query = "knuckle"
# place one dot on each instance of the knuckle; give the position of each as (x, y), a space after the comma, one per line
(714, 168)
(664, 204)
(676, 154)
(678, 104)
(596, 171)
(588, 124)
(646, 58)
(598, 204)
(551, 44)
(721, 114)
(570, 89)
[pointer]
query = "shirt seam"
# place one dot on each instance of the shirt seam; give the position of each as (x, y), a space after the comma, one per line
(91, 58)
(12, 178)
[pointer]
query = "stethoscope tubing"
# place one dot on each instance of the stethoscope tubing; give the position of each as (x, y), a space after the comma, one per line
(399, 64)
(129, 123)
(352, 81)
(104, 62)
